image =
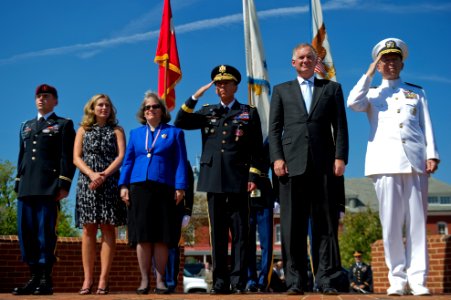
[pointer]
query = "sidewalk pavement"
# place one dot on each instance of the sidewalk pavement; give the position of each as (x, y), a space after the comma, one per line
(203, 296)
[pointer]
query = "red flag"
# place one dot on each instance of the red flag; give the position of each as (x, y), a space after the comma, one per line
(167, 57)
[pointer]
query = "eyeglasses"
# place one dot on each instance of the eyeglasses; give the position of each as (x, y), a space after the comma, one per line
(154, 106)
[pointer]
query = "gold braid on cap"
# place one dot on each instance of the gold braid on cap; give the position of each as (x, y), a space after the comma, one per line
(390, 47)
(222, 75)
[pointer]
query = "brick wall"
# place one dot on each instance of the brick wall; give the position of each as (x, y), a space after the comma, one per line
(125, 275)
(68, 271)
(439, 279)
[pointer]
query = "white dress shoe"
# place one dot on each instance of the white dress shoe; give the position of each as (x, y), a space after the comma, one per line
(395, 291)
(420, 290)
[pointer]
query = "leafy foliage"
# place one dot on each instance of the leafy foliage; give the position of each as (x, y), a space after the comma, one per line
(7, 199)
(360, 230)
(8, 205)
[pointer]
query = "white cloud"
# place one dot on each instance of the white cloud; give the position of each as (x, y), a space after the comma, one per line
(89, 50)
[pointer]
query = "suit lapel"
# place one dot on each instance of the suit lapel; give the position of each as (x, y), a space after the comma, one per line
(297, 96)
(317, 93)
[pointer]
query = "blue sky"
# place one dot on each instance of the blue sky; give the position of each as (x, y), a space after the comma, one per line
(107, 46)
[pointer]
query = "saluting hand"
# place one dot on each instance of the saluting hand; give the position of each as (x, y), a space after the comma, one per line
(202, 90)
(373, 65)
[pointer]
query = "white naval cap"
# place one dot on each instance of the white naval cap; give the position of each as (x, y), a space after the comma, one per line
(391, 45)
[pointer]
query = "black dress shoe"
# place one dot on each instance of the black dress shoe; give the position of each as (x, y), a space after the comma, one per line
(44, 288)
(329, 291)
(161, 291)
(27, 289)
(215, 291)
(295, 291)
(251, 289)
(237, 291)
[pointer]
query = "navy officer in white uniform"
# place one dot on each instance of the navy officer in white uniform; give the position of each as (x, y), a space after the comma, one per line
(401, 153)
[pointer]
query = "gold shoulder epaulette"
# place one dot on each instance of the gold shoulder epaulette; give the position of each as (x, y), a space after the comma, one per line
(206, 104)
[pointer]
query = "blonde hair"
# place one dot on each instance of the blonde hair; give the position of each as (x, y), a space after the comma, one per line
(165, 116)
(89, 117)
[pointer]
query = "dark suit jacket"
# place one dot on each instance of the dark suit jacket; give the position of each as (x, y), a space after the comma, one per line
(231, 145)
(45, 157)
(293, 132)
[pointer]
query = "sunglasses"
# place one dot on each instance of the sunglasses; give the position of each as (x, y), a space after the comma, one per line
(154, 106)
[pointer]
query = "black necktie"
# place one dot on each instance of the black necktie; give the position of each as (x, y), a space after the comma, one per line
(41, 121)
(226, 110)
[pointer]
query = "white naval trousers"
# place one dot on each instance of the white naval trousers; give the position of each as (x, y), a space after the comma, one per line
(403, 202)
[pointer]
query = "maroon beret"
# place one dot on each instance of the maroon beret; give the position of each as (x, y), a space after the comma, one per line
(46, 89)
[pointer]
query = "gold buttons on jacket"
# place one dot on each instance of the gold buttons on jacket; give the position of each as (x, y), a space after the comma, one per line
(401, 125)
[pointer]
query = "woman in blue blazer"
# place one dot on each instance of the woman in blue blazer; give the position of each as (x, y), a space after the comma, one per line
(153, 181)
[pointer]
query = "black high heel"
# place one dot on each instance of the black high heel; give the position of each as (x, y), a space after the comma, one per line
(143, 291)
(86, 291)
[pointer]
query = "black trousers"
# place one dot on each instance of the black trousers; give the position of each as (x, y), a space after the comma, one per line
(310, 196)
(229, 212)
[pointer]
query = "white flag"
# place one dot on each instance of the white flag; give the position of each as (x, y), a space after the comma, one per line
(324, 66)
(257, 73)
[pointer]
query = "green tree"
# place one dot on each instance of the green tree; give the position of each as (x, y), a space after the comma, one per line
(360, 230)
(7, 199)
(8, 205)
(65, 227)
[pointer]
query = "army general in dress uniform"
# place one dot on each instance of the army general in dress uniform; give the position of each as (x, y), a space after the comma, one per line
(231, 152)
(44, 176)
(360, 276)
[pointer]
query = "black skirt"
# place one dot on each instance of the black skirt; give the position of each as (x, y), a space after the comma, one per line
(152, 213)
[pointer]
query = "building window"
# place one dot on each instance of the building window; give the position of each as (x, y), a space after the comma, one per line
(433, 200)
(445, 200)
(277, 237)
(442, 228)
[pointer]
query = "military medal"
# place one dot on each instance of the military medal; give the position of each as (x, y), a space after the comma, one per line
(410, 94)
(239, 132)
(149, 150)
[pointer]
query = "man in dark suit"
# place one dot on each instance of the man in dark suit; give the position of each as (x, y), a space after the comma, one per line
(308, 140)
(232, 146)
(261, 221)
(44, 176)
(184, 210)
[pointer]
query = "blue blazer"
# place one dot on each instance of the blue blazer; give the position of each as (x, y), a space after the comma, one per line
(168, 161)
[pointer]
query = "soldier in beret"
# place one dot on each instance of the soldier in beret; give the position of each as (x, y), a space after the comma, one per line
(229, 169)
(44, 176)
(401, 153)
(360, 276)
